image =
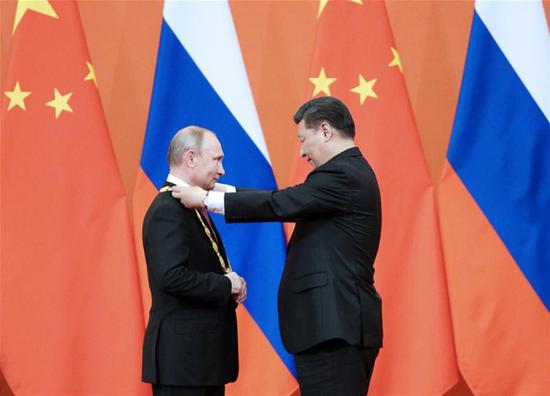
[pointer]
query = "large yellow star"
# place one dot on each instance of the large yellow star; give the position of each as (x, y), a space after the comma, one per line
(60, 102)
(396, 61)
(91, 73)
(322, 83)
(323, 3)
(40, 6)
(17, 97)
(365, 89)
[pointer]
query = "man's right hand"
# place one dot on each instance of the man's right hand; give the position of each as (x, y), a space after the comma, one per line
(220, 187)
(190, 197)
(238, 287)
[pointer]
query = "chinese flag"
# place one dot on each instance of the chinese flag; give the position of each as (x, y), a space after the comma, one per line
(71, 318)
(355, 60)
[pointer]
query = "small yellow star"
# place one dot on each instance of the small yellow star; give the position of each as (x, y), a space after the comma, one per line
(323, 3)
(40, 6)
(364, 89)
(17, 97)
(91, 73)
(322, 83)
(60, 102)
(396, 61)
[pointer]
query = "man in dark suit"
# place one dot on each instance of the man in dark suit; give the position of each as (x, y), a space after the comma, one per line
(190, 345)
(329, 311)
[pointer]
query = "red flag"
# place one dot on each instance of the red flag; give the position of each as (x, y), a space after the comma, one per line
(355, 60)
(71, 319)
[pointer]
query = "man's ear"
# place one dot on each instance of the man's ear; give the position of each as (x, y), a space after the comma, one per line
(326, 130)
(189, 158)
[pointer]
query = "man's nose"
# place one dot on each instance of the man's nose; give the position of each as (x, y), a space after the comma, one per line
(221, 171)
(302, 154)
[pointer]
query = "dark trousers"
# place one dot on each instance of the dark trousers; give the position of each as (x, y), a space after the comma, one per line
(335, 368)
(170, 390)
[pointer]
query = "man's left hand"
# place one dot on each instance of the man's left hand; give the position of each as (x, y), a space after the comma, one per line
(190, 197)
(241, 296)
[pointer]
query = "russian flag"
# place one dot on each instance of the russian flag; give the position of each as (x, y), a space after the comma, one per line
(495, 203)
(201, 80)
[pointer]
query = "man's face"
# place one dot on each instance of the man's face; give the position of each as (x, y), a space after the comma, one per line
(311, 144)
(209, 167)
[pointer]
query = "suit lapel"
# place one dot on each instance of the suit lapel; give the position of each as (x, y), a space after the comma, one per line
(212, 227)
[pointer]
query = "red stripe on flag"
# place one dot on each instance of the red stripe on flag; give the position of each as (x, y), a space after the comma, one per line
(501, 327)
(261, 371)
(144, 193)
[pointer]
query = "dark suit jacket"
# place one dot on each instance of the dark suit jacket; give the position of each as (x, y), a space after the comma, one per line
(327, 288)
(191, 337)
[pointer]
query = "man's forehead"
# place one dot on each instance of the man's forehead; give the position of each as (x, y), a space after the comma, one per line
(210, 141)
(214, 149)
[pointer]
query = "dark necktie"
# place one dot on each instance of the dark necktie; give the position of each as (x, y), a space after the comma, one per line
(204, 214)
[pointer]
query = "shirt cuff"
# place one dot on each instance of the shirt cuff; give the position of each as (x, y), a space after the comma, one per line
(215, 202)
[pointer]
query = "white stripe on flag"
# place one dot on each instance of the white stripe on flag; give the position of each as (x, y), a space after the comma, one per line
(206, 30)
(521, 32)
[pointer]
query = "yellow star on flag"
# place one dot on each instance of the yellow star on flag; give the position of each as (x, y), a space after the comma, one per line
(364, 89)
(40, 6)
(91, 73)
(396, 61)
(60, 102)
(17, 97)
(323, 3)
(322, 83)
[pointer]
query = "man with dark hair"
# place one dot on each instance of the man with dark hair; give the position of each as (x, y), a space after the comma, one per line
(329, 311)
(327, 109)
(190, 345)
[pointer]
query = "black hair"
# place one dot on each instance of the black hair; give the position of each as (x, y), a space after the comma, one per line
(326, 109)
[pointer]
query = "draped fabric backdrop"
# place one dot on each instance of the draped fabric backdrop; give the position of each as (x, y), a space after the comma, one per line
(452, 111)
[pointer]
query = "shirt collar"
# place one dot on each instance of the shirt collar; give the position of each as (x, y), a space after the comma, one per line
(176, 180)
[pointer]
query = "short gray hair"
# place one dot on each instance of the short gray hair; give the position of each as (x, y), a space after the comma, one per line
(188, 138)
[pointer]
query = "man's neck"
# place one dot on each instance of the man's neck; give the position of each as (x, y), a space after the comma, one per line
(178, 178)
(340, 147)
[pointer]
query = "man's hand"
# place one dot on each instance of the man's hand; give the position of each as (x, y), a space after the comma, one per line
(238, 287)
(220, 187)
(190, 197)
(240, 297)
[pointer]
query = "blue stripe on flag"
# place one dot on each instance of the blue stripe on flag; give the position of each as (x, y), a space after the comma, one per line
(500, 148)
(182, 96)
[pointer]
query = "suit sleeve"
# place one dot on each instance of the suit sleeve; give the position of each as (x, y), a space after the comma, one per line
(169, 252)
(324, 193)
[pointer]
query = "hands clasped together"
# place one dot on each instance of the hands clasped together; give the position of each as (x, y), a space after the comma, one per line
(238, 287)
